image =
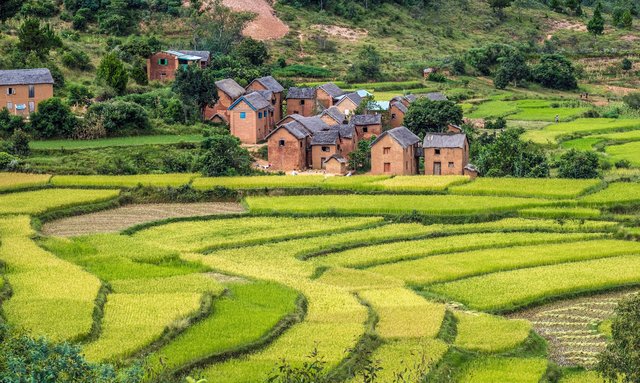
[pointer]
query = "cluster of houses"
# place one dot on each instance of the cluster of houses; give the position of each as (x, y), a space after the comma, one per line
(305, 128)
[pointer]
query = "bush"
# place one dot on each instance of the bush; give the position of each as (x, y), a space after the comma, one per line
(556, 72)
(626, 64)
(499, 123)
(632, 100)
(436, 77)
(10, 123)
(40, 8)
(53, 119)
(222, 155)
(78, 95)
(20, 144)
(5, 160)
(120, 117)
(76, 59)
(578, 164)
(622, 164)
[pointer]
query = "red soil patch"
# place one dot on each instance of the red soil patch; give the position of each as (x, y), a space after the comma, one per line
(266, 25)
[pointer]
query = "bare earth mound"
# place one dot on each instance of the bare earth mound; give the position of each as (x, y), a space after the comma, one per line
(266, 25)
(111, 221)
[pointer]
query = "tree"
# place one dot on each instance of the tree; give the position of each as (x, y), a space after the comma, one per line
(627, 19)
(9, 8)
(485, 58)
(222, 155)
(78, 95)
(425, 116)
(20, 144)
(632, 100)
(196, 87)
(498, 6)
(119, 117)
(216, 28)
(360, 158)
(578, 164)
(507, 155)
(626, 64)
(255, 52)
(595, 26)
(112, 72)
(555, 71)
(36, 39)
(620, 361)
(10, 123)
(512, 69)
(53, 119)
(367, 66)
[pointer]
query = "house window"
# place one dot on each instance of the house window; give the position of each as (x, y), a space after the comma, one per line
(271, 113)
(387, 167)
(301, 144)
(365, 129)
(11, 91)
(281, 143)
(243, 115)
(406, 165)
(451, 165)
(386, 150)
(296, 112)
(325, 148)
(259, 114)
(32, 106)
(9, 106)
(301, 102)
(273, 101)
(437, 152)
(163, 62)
(393, 116)
(32, 91)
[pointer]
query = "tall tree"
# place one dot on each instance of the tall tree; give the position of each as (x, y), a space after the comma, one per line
(595, 26)
(112, 72)
(368, 65)
(498, 6)
(216, 28)
(9, 8)
(37, 39)
(425, 116)
(196, 87)
(512, 70)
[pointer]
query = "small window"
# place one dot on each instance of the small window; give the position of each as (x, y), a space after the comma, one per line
(451, 165)
(243, 115)
(11, 91)
(437, 152)
(296, 112)
(32, 106)
(393, 116)
(325, 148)
(273, 101)
(32, 91)
(302, 102)
(281, 143)
(365, 129)
(386, 150)
(10, 106)
(163, 62)
(406, 165)
(272, 113)
(300, 144)
(259, 114)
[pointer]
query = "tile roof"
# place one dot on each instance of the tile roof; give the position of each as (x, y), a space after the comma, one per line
(231, 88)
(332, 89)
(411, 97)
(346, 130)
(255, 99)
(25, 76)
(338, 158)
(334, 113)
(444, 140)
(301, 93)
(325, 137)
(436, 96)
(293, 127)
(400, 106)
(401, 135)
(270, 83)
(354, 97)
(366, 119)
(312, 124)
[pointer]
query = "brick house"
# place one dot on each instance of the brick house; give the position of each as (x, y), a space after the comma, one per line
(445, 153)
(270, 84)
(367, 125)
(288, 145)
(348, 139)
(324, 144)
(328, 94)
(162, 66)
(251, 117)
(228, 92)
(336, 164)
(333, 116)
(21, 90)
(397, 111)
(395, 152)
(301, 101)
(348, 103)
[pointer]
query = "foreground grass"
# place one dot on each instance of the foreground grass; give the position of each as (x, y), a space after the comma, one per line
(118, 141)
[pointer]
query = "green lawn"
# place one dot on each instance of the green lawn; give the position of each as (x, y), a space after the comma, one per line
(117, 141)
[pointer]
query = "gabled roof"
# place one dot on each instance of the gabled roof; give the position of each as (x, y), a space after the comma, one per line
(471, 167)
(366, 119)
(326, 137)
(301, 93)
(400, 106)
(270, 83)
(335, 114)
(346, 130)
(184, 56)
(336, 157)
(411, 97)
(293, 127)
(353, 97)
(436, 96)
(204, 55)
(401, 135)
(312, 124)
(444, 140)
(25, 76)
(267, 94)
(255, 100)
(230, 88)
(332, 89)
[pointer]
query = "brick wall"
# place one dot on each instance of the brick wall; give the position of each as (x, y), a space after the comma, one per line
(399, 160)
(303, 107)
(291, 154)
(20, 97)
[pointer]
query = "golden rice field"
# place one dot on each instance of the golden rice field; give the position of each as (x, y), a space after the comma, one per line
(409, 276)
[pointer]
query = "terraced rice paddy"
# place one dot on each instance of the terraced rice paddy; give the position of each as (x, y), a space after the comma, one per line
(414, 282)
(583, 126)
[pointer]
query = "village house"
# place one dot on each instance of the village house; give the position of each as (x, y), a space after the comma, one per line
(162, 66)
(324, 144)
(328, 95)
(301, 101)
(367, 125)
(395, 152)
(288, 145)
(23, 89)
(251, 117)
(397, 111)
(451, 128)
(270, 84)
(348, 103)
(333, 116)
(336, 164)
(435, 96)
(228, 92)
(445, 153)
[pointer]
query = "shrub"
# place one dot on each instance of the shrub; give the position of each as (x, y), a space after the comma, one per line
(78, 95)
(632, 100)
(120, 117)
(20, 143)
(622, 164)
(112, 72)
(425, 116)
(53, 119)
(499, 123)
(300, 70)
(222, 155)
(10, 123)
(578, 164)
(436, 77)
(39, 8)
(76, 59)
(626, 64)
(556, 72)
(5, 160)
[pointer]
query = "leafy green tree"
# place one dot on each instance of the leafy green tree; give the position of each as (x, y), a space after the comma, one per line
(425, 116)
(507, 155)
(76, 59)
(627, 19)
(578, 164)
(78, 95)
(216, 28)
(555, 71)
(498, 6)
(37, 39)
(222, 155)
(595, 26)
(9, 8)
(255, 52)
(53, 119)
(632, 100)
(368, 65)
(117, 18)
(10, 123)
(196, 87)
(626, 64)
(20, 143)
(484, 59)
(620, 361)
(119, 117)
(360, 158)
(512, 70)
(112, 72)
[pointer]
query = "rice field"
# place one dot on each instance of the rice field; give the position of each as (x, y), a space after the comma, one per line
(404, 280)
(628, 151)
(15, 181)
(157, 180)
(583, 126)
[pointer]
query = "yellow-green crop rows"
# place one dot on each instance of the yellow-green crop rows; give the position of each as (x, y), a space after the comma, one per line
(408, 272)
